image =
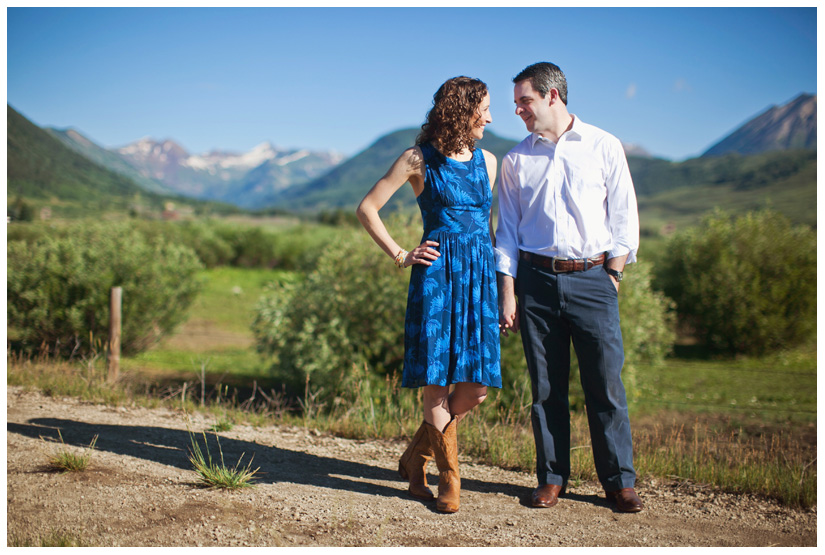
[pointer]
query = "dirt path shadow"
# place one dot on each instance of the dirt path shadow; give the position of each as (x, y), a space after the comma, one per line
(169, 446)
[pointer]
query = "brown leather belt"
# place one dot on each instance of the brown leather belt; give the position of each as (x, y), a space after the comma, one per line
(560, 264)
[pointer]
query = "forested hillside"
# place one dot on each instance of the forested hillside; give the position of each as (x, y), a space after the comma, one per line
(40, 166)
(42, 171)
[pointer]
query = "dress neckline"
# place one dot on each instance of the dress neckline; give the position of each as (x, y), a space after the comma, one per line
(472, 157)
(461, 161)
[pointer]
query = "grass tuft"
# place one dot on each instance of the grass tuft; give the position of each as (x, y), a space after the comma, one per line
(54, 538)
(217, 475)
(65, 460)
(223, 424)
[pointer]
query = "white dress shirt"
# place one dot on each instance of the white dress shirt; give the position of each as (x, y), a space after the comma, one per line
(573, 199)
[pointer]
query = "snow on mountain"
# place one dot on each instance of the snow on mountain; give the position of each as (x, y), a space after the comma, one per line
(149, 148)
(212, 161)
(237, 177)
(284, 160)
(155, 159)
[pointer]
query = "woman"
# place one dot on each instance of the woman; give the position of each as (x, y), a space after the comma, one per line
(451, 329)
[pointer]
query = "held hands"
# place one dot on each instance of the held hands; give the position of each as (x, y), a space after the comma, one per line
(422, 254)
(508, 316)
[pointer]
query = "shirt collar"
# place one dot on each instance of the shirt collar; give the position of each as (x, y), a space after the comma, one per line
(575, 132)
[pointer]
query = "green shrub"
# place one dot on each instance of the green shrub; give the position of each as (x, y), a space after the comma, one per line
(745, 285)
(217, 242)
(349, 310)
(27, 232)
(222, 243)
(202, 236)
(300, 247)
(59, 288)
(20, 211)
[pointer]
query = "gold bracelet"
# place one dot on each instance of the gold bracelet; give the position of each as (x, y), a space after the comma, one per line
(400, 258)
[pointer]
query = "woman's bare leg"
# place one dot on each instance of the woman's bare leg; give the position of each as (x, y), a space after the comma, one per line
(436, 406)
(465, 397)
(440, 406)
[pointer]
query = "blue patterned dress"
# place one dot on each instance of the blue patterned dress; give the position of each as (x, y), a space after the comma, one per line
(451, 328)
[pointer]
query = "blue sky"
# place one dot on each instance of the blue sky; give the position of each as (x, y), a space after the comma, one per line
(674, 81)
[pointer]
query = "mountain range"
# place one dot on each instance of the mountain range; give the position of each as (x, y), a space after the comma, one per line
(308, 181)
(242, 178)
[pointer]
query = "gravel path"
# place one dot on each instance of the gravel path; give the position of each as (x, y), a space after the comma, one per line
(318, 490)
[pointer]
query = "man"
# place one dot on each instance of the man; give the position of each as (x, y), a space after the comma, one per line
(568, 224)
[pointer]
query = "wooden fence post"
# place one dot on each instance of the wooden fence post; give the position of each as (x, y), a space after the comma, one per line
(114, 333)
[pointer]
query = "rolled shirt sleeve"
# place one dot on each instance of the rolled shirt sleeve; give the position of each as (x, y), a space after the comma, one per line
(622, 210)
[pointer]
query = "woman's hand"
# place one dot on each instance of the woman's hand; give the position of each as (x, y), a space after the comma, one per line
(422, 254)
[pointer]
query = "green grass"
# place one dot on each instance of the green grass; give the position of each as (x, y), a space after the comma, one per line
(67, 460)
(774, 464)
(217, 333)
(776, 388)
(215, 474)
(222, 424)
(794, 197)
(54, 538)
(240, 361)
(230, 294)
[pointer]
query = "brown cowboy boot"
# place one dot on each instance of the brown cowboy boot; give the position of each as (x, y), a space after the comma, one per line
(413, 464)
(445, 449)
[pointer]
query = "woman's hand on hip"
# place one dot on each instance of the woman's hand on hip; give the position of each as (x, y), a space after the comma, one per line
(422, 254)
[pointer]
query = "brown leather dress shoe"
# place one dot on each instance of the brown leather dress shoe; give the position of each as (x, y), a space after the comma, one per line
(546, 496)
(626, 499)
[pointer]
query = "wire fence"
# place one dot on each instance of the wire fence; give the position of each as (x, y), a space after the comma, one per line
(726, 407)
(800, 382)
(807, 373)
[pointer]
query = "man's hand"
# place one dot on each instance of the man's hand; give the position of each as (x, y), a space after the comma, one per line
(508, 323)
(508, 316)
(617, 264)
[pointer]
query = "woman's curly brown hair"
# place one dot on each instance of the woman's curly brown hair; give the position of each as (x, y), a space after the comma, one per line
(454, 112)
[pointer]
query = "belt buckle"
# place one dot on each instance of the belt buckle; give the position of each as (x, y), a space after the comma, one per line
(558, 258)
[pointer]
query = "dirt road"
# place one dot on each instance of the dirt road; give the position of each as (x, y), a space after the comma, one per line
(318, 490)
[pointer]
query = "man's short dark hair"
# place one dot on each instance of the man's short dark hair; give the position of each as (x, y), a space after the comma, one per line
(544, 76)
